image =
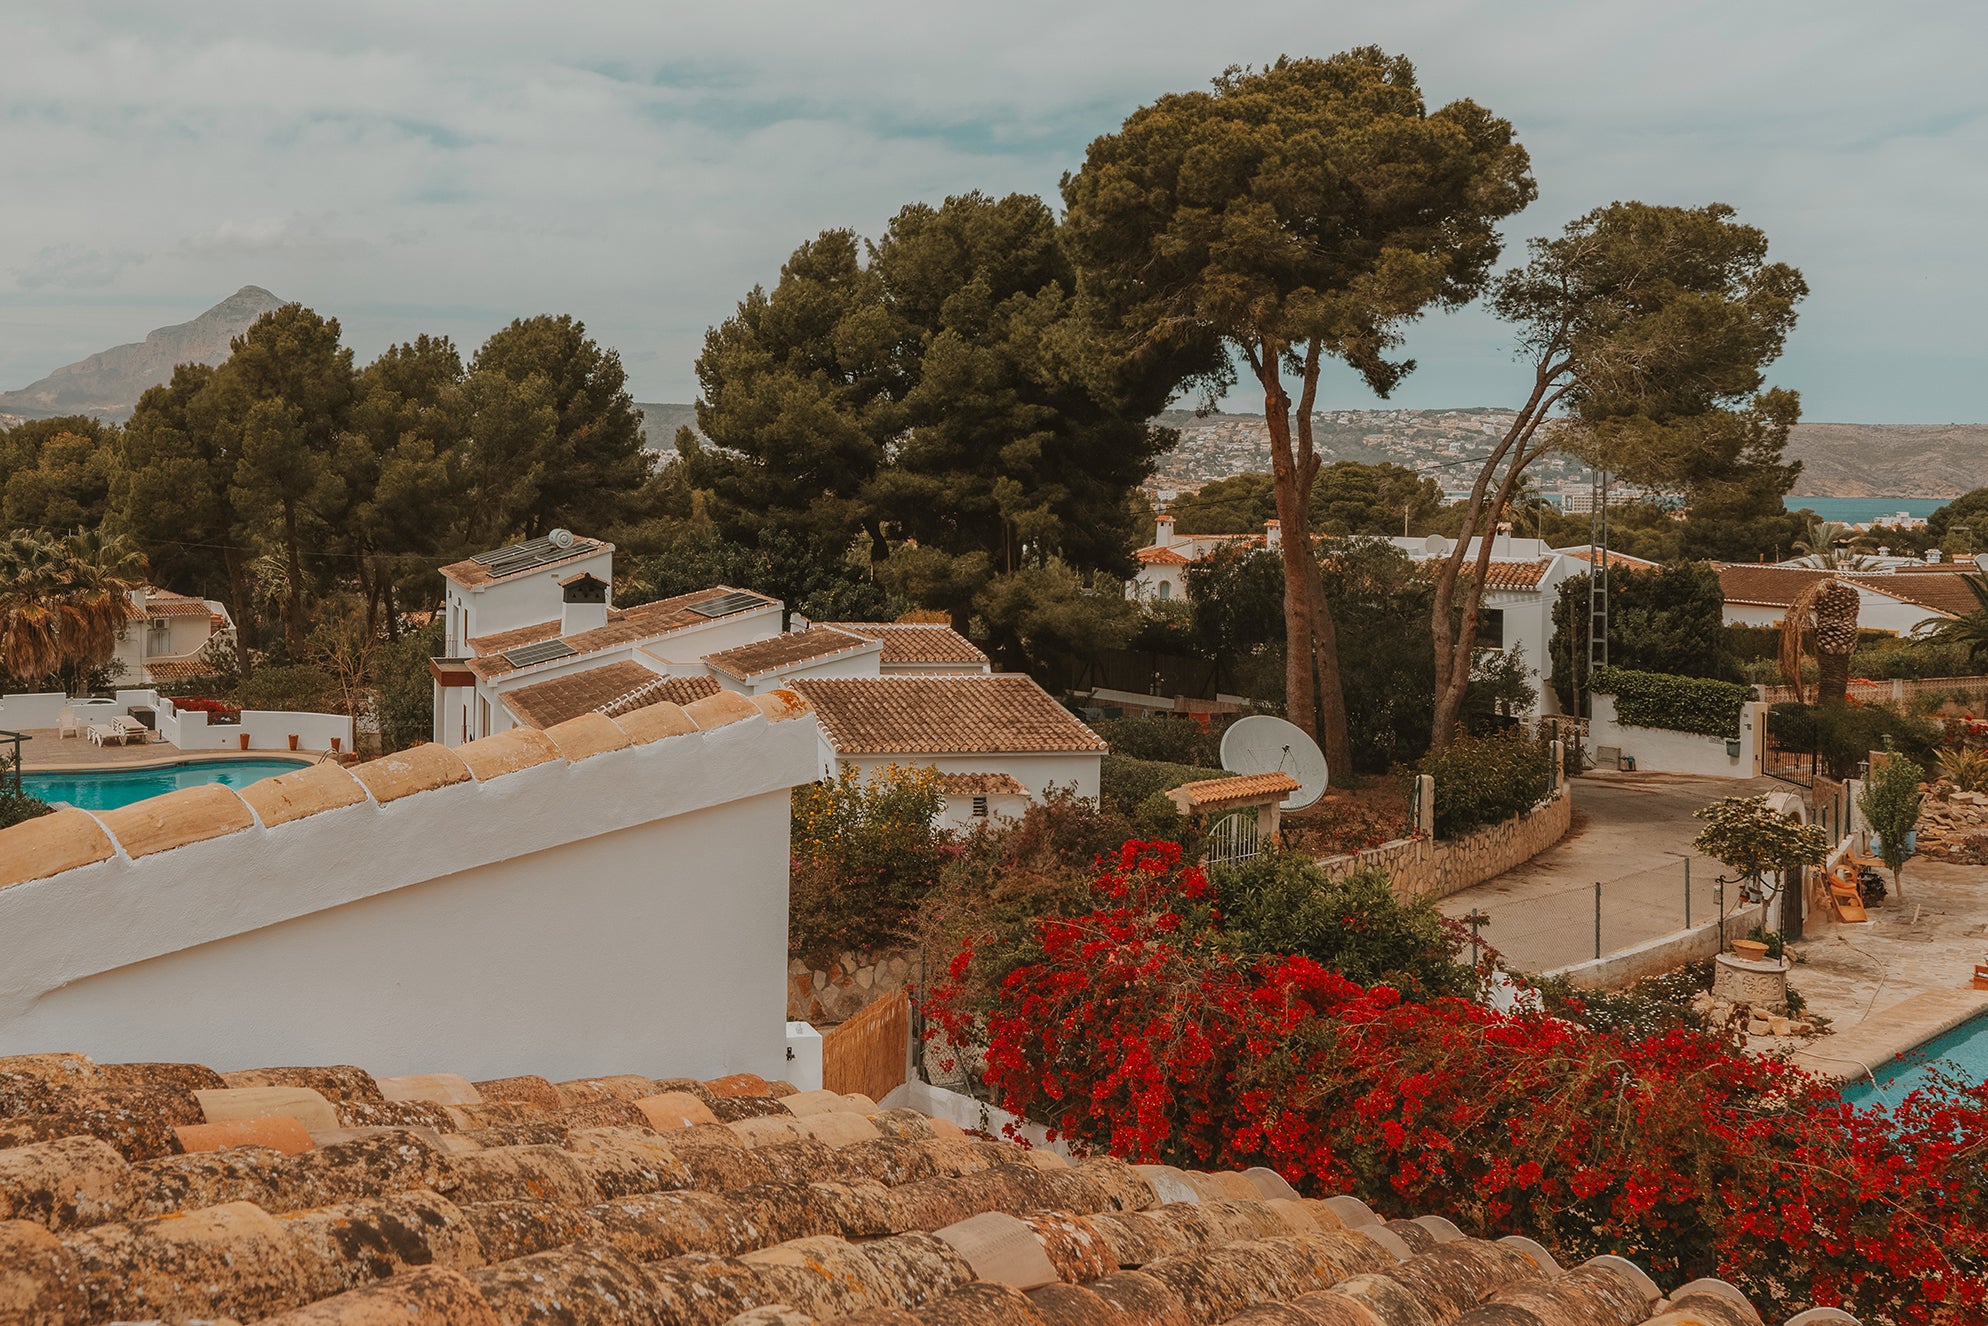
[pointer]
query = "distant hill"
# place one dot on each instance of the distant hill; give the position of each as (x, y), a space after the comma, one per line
(1890, 460)
(660, 422)
(108, 384)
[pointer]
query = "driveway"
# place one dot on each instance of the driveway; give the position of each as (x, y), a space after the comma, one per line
(1631, 832)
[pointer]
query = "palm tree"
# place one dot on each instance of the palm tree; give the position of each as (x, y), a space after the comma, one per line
(1970, 631)
(29, 618)
(95, 605)
(63, 603)
(1817, 547)
(1826, 614)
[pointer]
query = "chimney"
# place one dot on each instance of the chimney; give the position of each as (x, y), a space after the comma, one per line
(138, 597)
(584, 604)
(1273, 534)
(1163, 528)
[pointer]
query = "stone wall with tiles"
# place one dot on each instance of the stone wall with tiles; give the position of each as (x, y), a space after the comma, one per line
(851, 982)
(1436, 868)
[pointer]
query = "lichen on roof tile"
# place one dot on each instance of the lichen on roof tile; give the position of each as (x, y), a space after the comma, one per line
(781, 705)
(189, 815)
(507, 752)
(293, 796)
(50, 844)
(653, 722)
(584, 737)
(416, 769)
(715, 711)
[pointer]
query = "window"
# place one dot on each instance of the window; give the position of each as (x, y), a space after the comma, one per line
(1491, 628)
(1166, 590)
(980, 808)
(158, 638)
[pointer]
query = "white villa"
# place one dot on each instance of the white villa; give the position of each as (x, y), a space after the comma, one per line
(166, 635)
(533, 639)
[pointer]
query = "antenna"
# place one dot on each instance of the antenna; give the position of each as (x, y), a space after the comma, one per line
(561, 538)
(1262, 744)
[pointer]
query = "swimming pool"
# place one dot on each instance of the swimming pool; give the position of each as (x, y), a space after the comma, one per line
(107, 789)
(1964, 1051)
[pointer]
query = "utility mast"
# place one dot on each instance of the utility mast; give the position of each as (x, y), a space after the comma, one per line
(1597, 581)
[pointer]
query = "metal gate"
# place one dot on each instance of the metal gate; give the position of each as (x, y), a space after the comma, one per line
(1232, 838)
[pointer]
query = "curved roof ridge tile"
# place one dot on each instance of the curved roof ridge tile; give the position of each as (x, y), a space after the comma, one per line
(507, 752)
(52, 843)
(781, 704)
(586, 736)
(308, 791)
(416, 769)
(653, 722)
(715, 711)
(177, 818)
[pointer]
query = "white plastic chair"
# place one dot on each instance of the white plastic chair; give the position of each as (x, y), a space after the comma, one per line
(66, 724)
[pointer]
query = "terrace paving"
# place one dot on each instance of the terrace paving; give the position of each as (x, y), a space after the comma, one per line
(48, 752)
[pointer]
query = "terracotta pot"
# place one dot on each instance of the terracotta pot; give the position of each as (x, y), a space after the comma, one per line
(243, 738)
(1750, 949)
(293, 741)
(335, 741)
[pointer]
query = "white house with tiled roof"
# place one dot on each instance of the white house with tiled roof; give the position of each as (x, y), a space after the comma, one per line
(165, 636)
(993, 735)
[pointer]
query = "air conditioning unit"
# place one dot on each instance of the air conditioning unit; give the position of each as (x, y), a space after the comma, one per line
(162, 623)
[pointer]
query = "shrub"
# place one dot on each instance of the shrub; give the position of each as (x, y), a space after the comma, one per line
(405, 697)
(289, 688)
(1486, 780)
(1966, 767)
(1132, 1028)
(865, 852)
(1756, 840)
(1125, 783)
(1890, 800)
(15, 804)
(215, 709)
(1356, 925)
(1166, 740)
(1677, 704)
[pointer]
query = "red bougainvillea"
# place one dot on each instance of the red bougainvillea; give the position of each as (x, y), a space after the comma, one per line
(1133, 1029)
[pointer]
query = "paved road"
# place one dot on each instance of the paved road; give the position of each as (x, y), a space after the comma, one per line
(1631, 831)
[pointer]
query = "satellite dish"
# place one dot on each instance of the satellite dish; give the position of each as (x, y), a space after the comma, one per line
(1262, 744)
(561, 538)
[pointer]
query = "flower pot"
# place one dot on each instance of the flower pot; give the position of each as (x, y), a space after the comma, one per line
(243, 738)
(293, 741)
(1750, 949)
(335, 743)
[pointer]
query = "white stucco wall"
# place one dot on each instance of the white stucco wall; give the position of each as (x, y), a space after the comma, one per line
(1658, 750)
(267, 729)
(624, 914)
(958, 811)
(522, 600)
(863, 663)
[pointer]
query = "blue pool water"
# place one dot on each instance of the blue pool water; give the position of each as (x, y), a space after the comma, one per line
(1862, 510)
(108, 789)
(1962, 1051)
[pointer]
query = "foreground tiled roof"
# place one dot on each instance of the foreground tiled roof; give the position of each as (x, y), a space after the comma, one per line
(677, 690)
(915, 642)
(1216, 793)
(329, 1197)
(65, 839)
(814, 645)
(981, 785)
(624, 626)
(999, 713)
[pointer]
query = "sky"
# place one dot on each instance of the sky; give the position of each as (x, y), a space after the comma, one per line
(445, 168)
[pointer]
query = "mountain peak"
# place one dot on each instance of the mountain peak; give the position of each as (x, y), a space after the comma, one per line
(109, 383)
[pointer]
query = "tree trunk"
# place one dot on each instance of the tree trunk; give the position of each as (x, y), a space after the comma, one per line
(239, 603)
(1832, 673)
(293, 609)
(385, 581)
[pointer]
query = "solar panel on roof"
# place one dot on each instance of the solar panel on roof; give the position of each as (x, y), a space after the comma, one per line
(727, 604)
(542, 652)
(523, 556)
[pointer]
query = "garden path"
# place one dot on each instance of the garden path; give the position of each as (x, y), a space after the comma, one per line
(1631, 832)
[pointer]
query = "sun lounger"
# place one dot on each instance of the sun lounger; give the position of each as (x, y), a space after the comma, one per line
(131, 730)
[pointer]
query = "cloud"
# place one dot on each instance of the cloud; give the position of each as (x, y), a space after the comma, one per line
(447, 167)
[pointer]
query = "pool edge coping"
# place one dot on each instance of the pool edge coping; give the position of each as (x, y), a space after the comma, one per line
(1892, 1031)
(303, 759)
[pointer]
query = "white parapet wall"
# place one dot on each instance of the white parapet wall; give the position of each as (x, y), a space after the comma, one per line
(1660, 750)
(604, 894)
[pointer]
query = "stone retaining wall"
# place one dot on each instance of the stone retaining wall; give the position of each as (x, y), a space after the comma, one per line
(852, 982)
(1436, 868)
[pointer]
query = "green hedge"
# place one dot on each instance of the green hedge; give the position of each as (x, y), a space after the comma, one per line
(1486, 780)
(1677, 704)
(1125, 784)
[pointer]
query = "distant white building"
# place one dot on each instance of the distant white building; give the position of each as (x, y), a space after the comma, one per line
(165, 636)
(533, 640)
(1899, 602)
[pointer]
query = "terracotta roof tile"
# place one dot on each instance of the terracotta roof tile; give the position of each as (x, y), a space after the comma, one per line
(1947, 593)
(676, 690)
(161, 603)
(1766, 586)
(715, 711)
(799, 1214)
(966, 714)
(588, 735)
(416, 769)
(1156, 556)
(654, 722)
(915, 642)
(814, 645)
(981, 785)
(545, 703)
(645, 621)
(1215, 793)
(189, 815)
(506, 752)
(50, 844)
(177, 669)
(1515, 575)
(294, 796)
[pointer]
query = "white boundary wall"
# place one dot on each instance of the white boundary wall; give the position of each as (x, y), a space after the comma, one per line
(627, 913)
(1659, 750)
